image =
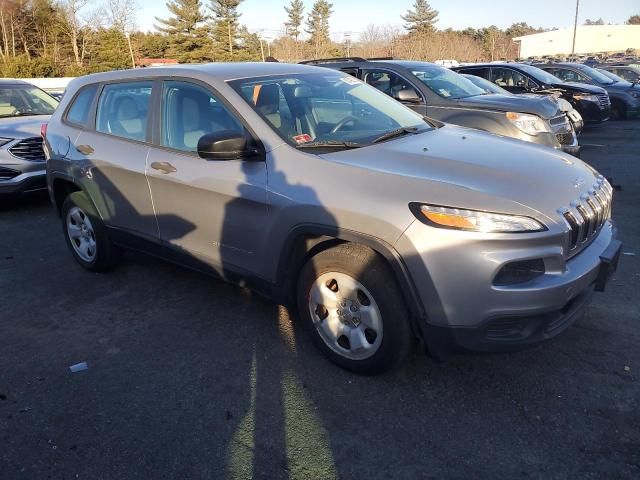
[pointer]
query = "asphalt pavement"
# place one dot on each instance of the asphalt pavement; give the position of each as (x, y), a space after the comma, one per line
(191, 378)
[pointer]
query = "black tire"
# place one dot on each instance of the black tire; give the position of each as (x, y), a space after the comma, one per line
(106, 255)
(372, 272)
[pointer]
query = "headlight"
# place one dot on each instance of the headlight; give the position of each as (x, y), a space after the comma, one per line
(586, 97)
(474, 220)
(529, 124)
(4, 140)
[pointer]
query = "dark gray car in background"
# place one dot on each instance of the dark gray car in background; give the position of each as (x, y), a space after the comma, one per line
(314, 188)
(442, 94)
(24, 108)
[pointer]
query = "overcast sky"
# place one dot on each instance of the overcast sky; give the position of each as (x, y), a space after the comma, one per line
(354, 15)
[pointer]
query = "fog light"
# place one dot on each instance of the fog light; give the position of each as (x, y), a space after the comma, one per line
(519, 272)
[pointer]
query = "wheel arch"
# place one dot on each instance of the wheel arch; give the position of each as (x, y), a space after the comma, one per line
(60, 188)
(305, 241)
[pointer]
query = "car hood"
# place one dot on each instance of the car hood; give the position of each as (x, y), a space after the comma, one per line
(466, 168)
(581, 88)
(541, 106)
(22, 127)
(621, 87)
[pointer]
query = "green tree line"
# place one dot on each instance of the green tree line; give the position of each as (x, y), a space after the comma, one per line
(47, 38)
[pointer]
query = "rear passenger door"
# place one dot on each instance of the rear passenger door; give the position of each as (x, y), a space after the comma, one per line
(213, 210)
(115, 151)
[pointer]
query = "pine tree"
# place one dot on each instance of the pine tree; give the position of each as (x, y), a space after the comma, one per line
(295, 14)
(421, 19)
(188, 36)
(318, 25)
(225, 26)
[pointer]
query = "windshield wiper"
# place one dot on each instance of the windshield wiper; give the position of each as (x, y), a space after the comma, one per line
(399, 132)
(330, 144)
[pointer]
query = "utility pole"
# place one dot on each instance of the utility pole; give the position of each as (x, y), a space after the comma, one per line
(575, 29)
(133, 60)
(347, 41)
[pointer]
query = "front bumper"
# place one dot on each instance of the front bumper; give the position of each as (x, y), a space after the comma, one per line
(24, 183)
(593, 112)
(466, 311)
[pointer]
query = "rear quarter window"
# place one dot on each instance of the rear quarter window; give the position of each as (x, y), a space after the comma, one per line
(78, 112)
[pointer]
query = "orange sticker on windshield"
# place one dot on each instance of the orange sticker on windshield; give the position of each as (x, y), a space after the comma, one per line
(304, 138)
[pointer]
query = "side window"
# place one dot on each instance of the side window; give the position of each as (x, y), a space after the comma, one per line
(78, 112)
(351, 71)
(506, 77)
(568, 75)
(387, 82)
(189, 112)
(478, 72)
(123, 110)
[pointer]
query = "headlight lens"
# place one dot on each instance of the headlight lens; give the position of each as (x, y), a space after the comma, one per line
(474, 220)
(586, 97)
(529, 124)
(4, 140)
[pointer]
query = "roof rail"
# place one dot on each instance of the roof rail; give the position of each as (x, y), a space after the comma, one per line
(380, 58)
(329, 60)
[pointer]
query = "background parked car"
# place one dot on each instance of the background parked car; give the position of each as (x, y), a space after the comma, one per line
(592, 102)
(574, 117)
(23, 110)
(625, 100)
(442, 94)
(630, 72)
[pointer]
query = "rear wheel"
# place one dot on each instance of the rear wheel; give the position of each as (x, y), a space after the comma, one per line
(86, 235)
(348, 301)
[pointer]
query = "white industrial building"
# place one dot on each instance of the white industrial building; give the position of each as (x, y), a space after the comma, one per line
(589, 39)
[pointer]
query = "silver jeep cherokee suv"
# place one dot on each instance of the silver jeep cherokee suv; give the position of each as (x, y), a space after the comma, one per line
(316, 189)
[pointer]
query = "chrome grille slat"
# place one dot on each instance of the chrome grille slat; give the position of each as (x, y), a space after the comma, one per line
(587, 215)
(28, 149)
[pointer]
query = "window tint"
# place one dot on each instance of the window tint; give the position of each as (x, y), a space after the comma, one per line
(123, 110)
(387, 82)
(506, 77)
(78, 113)
(478, 72)
(569, 75)
(189, 112)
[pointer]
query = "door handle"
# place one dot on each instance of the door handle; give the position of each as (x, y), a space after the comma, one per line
(164, 167)
(85, 149)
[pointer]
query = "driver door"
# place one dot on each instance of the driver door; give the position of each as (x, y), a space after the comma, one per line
(391, 83)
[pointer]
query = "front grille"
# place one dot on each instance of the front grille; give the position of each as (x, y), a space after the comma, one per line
(562, 129)
(565, 138)
(8, 174)
(29, 149)
(586, 215)
(604, 100)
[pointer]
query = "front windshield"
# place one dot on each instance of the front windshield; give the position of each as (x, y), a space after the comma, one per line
(611, 76)
(486, 85)
(446, 83)
(539, 74)
(595, 75)
(20, 100)
(330, 109)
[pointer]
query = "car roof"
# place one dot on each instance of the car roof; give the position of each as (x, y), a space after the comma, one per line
(219, 71)
(7, 82)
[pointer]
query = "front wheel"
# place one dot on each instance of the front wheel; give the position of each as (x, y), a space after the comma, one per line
(349, 302)
(86, 235)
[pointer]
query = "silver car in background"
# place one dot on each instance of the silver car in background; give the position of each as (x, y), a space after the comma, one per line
(310, 186)
(24, 108)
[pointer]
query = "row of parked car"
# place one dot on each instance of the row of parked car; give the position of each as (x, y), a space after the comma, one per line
(380, 224)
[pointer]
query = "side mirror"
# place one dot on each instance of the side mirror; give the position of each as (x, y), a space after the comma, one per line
(225, 145)
(408, 95)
